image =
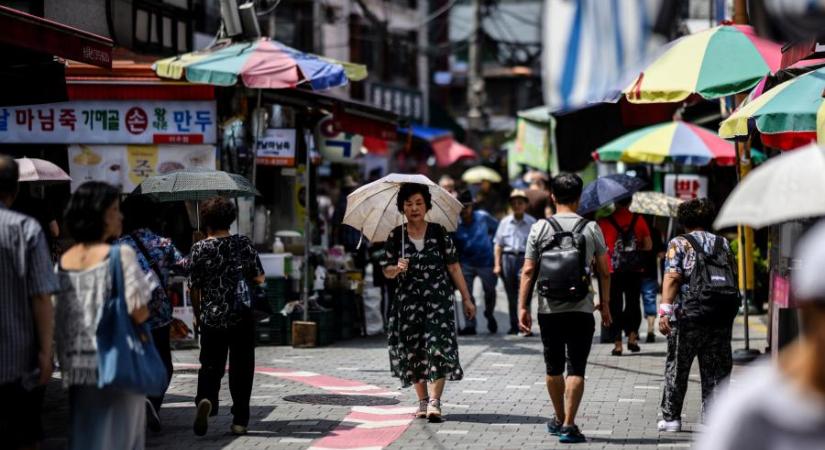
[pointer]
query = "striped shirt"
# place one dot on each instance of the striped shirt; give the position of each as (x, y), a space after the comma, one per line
(25, 271)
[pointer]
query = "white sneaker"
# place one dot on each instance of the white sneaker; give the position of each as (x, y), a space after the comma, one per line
(422, 409)
(670, 426)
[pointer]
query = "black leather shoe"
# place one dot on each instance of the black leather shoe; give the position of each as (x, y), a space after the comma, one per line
(467, 331)
(492, 325)
(651, 338)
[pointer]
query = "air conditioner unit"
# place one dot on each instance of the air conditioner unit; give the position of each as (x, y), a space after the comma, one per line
(231, 18)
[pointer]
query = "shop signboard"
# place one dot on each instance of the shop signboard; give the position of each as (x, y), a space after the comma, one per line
(407, 103)
(335, 146)
(686, 187)
(126, 166)
(276, 147)
(106, 122)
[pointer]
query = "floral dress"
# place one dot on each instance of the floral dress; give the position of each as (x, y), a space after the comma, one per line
(421, 320)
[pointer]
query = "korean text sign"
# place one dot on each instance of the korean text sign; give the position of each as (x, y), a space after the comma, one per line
(110, 122)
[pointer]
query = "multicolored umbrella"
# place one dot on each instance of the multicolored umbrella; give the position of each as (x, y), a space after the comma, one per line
(263, 63)
(678, 142)
(785, 115)
(714, 63)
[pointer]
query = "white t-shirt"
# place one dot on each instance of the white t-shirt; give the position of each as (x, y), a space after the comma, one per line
(763, 411)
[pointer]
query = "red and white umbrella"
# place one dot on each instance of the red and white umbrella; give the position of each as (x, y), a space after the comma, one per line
(40, 170)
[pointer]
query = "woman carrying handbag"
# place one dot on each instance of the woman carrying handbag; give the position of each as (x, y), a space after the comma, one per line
(101, 305)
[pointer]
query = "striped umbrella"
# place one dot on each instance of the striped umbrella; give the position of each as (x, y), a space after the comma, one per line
(678, 142)
(785, 115)
(263, 63)
(714, 63)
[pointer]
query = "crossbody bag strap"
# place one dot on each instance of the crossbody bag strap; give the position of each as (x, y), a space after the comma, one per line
(145, 252)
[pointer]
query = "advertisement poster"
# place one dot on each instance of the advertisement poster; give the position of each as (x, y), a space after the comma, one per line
(104, 121)
(126, 166)
(686, 187)
(276, 147)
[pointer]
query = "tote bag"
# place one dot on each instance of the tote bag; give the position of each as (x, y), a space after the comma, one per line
(127, 357)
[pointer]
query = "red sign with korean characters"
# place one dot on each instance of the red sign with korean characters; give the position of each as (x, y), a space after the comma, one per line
(110, 122)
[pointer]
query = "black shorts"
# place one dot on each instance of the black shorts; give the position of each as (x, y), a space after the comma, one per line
(20, 424)
(567, 337)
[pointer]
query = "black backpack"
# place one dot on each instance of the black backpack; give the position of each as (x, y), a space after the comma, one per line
(563, 272)
(713, 294)
(626, 255)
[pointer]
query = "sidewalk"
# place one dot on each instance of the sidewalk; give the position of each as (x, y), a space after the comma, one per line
(344, 396)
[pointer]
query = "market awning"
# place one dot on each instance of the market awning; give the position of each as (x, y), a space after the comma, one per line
(448, 151)
(46, 36)
(348, 115)
(129, 80)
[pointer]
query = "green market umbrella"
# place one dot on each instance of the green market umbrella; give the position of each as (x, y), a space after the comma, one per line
(785, 116)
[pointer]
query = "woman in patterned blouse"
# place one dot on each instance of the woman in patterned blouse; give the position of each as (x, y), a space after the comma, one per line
(219, 265)
(422, 335)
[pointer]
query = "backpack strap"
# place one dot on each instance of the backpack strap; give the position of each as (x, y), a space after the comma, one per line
(580, 225)
(555, 225)
(632, 227)
(718, 248)
(697, 247)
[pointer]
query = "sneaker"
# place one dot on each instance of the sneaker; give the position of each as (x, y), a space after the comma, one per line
(152, 417)
(571, 435)
(554, 427)
(651, 338)
(434, 411)
(422, 409)
(467, 331)
(202, 417)
(238, 430)
(670, 426)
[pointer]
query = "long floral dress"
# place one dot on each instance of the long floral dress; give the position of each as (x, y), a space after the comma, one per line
(421, 322)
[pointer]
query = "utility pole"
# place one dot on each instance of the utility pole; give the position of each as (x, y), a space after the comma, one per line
(476, 116)
(745, 234)
(423, 75)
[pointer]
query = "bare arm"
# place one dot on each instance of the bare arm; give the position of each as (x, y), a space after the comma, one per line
(603, 267)
(497, 251)
(647, 244)
(670, 289)
(195, 297)
(528, 278)
(140, 315)
(43, 311)
(391, 271)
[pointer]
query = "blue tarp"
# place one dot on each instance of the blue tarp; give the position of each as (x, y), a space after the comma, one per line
(426, 133)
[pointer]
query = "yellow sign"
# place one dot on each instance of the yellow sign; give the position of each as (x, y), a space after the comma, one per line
(141, 162)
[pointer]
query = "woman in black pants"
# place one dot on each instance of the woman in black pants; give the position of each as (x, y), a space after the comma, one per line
(219, 266)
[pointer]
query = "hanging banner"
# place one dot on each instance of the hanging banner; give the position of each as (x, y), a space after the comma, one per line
(276, 147)
(126, 166)
(337, 147)
(105, 122)
(686, 187)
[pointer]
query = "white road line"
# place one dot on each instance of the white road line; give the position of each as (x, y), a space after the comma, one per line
(185, 376)
(455, 406)
(493, 354)
(503, 365)
(597, 432)
(455, 432)
(515, 386)
(540, 383)
(675, 445)
(295, 440)
(385, 411)
(366, 387)
(474, 392)
(297, 374)
(350, 448)
(272, 386)
(281, 361)
(652, 388)
(377, 424)
(349, 369)
(631, 400)
(474, 379)
(260, 397)
(179, 405)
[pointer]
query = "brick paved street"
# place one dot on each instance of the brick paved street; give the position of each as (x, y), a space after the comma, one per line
(502, 403)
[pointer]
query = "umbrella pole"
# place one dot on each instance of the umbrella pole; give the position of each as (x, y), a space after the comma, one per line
(307, 225)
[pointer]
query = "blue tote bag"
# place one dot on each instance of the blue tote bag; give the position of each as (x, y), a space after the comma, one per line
(127, 357)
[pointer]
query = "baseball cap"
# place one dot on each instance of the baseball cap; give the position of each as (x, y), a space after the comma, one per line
(518, 193)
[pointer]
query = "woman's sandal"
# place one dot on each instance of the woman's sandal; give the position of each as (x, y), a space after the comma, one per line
(615, 352)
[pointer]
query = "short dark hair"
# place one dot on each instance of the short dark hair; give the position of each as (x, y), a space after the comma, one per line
(83, 216)
(217, 213)
(139, 212)
(697, 213)
(567, 188)
(9, 173)
(408, 190)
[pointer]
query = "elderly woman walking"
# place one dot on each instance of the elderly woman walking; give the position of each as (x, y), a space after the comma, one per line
(421, 257)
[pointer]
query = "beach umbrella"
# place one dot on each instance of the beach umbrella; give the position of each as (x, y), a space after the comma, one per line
(787, 187)
(195, 185)
(372, 210)
(36, 170)
(713, 63)
(480, 173)
(678, 142)
(655, 204)
(263, 63)
(785, 115)
(608, 189)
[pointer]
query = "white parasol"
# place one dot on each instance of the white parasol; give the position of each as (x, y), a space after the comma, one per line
(782, 189)
(372, 210)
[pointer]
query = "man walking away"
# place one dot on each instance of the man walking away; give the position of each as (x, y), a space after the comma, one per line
(510, 242)
(559, 254)
(474, 239)
(700, 299)
(627, 238)
(26, 317)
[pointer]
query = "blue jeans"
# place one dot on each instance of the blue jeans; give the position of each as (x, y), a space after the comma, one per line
(488, 283)
(650, 289)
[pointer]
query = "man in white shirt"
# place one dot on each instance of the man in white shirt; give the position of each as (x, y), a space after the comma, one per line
(510, 242)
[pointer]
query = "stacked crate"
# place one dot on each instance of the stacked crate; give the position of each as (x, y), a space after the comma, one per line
(273, 330)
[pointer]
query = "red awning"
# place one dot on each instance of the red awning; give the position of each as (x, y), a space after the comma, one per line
(46, 36)
(447, 151)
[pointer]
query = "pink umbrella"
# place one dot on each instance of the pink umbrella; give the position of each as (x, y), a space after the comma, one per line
(40, 170)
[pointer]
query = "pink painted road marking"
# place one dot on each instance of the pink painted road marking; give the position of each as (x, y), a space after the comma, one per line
(365, 427)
